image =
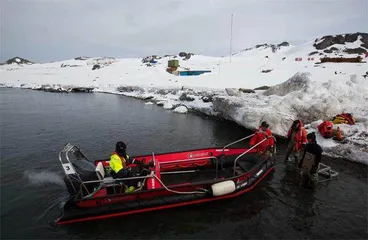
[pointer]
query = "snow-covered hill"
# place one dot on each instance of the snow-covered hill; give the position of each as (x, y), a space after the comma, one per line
(301, 86)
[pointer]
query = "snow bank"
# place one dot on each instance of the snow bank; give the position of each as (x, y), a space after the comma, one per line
(298, 89)
(181, 109)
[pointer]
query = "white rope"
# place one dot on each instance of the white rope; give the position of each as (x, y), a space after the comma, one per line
(194, 192)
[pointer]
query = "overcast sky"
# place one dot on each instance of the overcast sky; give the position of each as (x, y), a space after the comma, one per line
(49, 30)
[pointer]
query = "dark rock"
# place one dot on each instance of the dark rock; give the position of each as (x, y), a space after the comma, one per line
(81, 58)
(208, 98)
(313, 53)
(148, 98)
(326, 42)
(339, 39)
(67, 65)
(351, 37)
(184, 97)
(284, 44)
(266, 70)
(245, 90)
(261, 45)
(188, 56)
(283, 58)
(355, 50)
(365, 45)
(129, 89)
(96, 66)
(162, 92)
(18, 60)
(262, 88)
(364, 38)
(149, 59)
(334, 49)
(183, 54)
(327, 51)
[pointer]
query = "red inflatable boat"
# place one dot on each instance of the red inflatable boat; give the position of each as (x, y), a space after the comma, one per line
(165, 180)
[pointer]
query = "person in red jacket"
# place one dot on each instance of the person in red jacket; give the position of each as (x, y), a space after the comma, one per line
(263, 132)
(297, 140)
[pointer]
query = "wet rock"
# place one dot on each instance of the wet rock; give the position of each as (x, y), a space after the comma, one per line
(232, 91)
(148, 98)
(129, 89)
(208, 98)
(245, 90)
(262, 88)
(185, 97)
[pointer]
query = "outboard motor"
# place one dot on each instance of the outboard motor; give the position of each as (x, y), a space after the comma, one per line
(86, 172)
(77, 170)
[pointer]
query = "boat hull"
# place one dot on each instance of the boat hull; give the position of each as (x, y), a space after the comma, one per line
(103, 206)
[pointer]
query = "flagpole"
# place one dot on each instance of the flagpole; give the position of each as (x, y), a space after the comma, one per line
(231, 36)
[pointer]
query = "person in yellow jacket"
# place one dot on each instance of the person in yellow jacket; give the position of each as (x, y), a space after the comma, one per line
(119, 162)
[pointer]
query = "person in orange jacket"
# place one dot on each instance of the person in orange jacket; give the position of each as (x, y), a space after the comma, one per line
(263, 132)
(297, 140)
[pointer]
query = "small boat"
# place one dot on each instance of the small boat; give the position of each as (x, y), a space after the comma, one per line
(164, 180)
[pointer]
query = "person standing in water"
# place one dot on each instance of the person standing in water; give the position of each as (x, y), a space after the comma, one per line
(310, 160)
(297, 140)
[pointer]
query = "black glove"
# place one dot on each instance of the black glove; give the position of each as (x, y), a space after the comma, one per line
(151, 164)
(138, 162)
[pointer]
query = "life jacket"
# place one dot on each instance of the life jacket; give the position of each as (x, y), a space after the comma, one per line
(259, 136)
(342, 118)
(300, 136)
(117, 162)
(325, 128)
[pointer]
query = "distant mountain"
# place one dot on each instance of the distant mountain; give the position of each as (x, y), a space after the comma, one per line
(273, 47)
(18, 60)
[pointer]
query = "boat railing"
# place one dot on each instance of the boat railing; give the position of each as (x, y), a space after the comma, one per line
(110, 182)
(236, 159)
(237, 141)
(193, 159)
(188, 159)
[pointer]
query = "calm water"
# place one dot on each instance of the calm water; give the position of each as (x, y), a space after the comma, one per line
(36, 125)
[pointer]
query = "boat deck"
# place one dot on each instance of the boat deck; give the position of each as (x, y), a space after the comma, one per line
(225, 170)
